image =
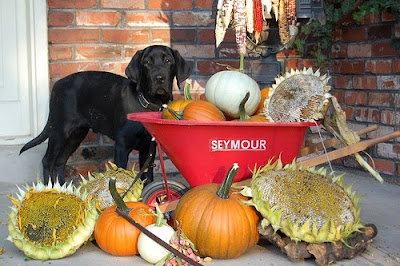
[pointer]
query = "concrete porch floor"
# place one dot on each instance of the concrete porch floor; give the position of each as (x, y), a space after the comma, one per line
(380, 206)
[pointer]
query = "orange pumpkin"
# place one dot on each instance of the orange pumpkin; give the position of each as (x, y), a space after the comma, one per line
(257, 118)
(216, 220)
(264, 95)
(178, 105)
(202, 111)
(117, 236)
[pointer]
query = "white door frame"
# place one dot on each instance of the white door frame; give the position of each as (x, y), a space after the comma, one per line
(39, 67)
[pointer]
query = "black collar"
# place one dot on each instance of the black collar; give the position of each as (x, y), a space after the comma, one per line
(146, 104)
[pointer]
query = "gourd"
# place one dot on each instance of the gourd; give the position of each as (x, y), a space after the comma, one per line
(226, 90)
(150, 250)
(178, 105)
(215, 219)
(113, 233)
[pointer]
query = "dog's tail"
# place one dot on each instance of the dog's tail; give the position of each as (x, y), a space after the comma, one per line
(39, 139)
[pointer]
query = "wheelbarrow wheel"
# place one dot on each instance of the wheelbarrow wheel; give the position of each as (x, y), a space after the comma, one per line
(156, 192)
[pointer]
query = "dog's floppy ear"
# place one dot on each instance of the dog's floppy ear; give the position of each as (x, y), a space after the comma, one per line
(183, 68)
(132, 71)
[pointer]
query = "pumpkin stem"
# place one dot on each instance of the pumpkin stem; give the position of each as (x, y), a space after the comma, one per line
(241, 63)
(175, 114)
(223, 191)
(186, 91)
(242, 111)
(116, 197)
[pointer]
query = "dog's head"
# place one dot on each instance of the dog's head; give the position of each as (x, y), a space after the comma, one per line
(154, 69)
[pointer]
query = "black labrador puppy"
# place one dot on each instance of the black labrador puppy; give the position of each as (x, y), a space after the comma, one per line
(101, 101)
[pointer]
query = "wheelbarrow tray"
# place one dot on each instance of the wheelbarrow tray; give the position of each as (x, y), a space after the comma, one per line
(204, 151)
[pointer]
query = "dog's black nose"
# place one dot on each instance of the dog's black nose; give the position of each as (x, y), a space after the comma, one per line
(160, 79)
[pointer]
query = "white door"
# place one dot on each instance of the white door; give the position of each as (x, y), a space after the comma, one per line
(23, 69)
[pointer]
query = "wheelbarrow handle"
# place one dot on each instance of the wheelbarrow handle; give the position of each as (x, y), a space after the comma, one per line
(332, 142)
(345, 151)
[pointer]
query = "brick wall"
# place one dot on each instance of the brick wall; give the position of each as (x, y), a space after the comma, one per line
(105, 34)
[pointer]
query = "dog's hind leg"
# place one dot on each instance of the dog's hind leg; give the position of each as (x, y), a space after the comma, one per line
(70, 146)
(54, 148)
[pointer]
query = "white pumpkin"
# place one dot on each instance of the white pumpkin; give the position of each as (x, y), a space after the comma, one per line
(226, 89)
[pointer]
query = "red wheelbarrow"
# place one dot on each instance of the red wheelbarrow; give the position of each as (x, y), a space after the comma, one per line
(204, 151)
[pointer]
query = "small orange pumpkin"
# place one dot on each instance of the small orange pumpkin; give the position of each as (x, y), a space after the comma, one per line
(264, 95)
(257, 118)
(202, 111)
(215, 219)
(114, 234)
(178, 105)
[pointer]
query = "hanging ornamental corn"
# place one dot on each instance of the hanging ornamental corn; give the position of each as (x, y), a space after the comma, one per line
(239, 16)
(283, 23)
(275, 8)
(258, 20)
(223, 19)
(267, 6)
(249, 16)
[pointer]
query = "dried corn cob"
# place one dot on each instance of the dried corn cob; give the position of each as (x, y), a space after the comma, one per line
(239, 18)
(268, 6)
(292, 12)
(258, 19)
(283, 23)
(223, 18)
(249, 16)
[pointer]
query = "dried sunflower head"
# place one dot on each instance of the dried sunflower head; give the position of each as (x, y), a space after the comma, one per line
(51, 222)
(298, 96)
(306, 205)
(96, 185)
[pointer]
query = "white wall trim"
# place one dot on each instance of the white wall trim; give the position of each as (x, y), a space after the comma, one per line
(39, 69)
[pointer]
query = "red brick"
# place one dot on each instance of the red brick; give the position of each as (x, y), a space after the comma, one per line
(196, 51)
(83, 168)
(199, 18)
(60, 18)
(380, 99)
(366, 115)
(353, 34)
(60, 53)
(348, 67)
(74, 35)
(60, 70)
(378, 66)
(150, 19)
(98, 52)
(339, 94)
(72, 3)
(349, 111)
(337, 35)
(131, 51)
(207, 36)
(380, 32)
(174, 35)
(382, 165)
(211, 67)
(388, 17)
(355, 98)
(292, 63)
(88, 18)
(342, 82)
(383, 49)
(125, 36)
(171, 4)
(339, 51)
(389, 117)
(364, 82)
(359, 50)
(114, 67)
(396, 65)
(307, 63)
(397, 31)
(124, 4)
(204, 4)
(371, 18)
(388, 82)
(91, 138)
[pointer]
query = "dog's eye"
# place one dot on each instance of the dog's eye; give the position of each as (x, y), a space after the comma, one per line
(167, 61)
(147, 62)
